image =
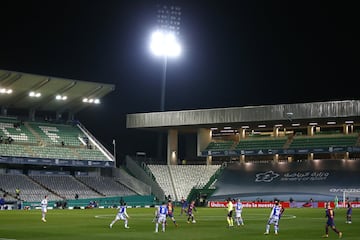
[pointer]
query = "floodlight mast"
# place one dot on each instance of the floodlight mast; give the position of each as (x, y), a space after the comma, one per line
(163, 85)
(164, 41)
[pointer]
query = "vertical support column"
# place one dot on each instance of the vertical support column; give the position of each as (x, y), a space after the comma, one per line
(276, 131)
(3, 111)
(32, 114)
(242, 136)
(242, 133)
(208, 160)
(348, 128)
(276, 158)
(351, 126)
(58, 115)
(172, 147)
(203, 139)
(345, 128)
(71, 116)
(242, 158)
(310, 130)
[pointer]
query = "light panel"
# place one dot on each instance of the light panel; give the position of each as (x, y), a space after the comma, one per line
(164, 44)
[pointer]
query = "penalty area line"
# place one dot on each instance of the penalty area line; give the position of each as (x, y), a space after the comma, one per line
(7, 238)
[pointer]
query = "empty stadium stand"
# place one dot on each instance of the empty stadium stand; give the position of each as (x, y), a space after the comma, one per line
(106, 186)
(30, 190)
(178, 180)
(48, 140)
(333, 140)
(64, 185)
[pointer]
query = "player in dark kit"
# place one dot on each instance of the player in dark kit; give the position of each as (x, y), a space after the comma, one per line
(190, 212)
(184, 205)
(348, 212)
(170, 208)
(329, 214)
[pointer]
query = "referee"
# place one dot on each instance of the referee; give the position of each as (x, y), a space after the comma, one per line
(230, 209)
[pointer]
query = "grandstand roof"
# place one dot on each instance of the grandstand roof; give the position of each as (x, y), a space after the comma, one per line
(49, 87)
(251, 116)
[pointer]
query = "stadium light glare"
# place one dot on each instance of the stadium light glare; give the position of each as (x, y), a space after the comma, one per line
(34, 94)
(165, 44)
(91, 100)
(5, 91)
(60, 97)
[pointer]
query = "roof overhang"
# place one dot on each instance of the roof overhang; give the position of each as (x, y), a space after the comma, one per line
(49, 87)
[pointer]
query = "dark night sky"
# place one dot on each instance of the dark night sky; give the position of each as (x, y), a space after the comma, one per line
(235, 53)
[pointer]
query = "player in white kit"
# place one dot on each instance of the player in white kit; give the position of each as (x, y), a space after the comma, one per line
(160, 215)
(44, 204)
(238, 211)
(274, 217)
(121, 215)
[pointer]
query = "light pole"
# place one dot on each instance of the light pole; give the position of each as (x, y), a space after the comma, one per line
(114, 143)
(164, 43)
(163, 86)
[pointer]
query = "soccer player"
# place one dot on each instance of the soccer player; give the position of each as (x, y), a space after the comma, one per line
(160, 215)
(329, 214)
(238, 210)
(274, 217)
(44, 204)
(121, 215)
(170, 208)
(190, 212)
(230, 209)
(183, 205)
(348, 212)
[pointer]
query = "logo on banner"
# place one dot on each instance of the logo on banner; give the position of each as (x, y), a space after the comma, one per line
(266, 176)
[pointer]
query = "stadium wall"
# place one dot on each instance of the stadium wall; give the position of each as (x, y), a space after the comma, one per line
(319, 180)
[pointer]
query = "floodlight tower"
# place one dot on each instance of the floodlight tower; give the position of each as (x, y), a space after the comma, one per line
(164, 41)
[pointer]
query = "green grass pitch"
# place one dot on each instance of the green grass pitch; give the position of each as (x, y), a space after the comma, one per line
(93, 224)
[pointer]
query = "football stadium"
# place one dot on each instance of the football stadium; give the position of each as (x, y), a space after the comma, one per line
(304, 155)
